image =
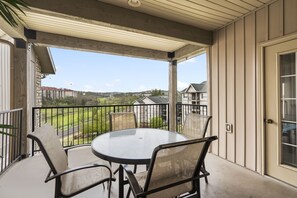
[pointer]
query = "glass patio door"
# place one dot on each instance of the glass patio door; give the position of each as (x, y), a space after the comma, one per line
(280, 109)
(287, 66)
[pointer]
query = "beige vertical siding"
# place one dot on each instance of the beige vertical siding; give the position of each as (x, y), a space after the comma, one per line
(5, 66)
(222, 92)
(214, 73)
(276, 19)
(250, 87)
(239, 124)
(233, 79)
(290, 16)
(230, 73)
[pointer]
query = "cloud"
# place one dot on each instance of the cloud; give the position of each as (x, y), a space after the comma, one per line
(182, 85)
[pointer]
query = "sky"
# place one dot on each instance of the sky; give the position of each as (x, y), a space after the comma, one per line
(87, 71)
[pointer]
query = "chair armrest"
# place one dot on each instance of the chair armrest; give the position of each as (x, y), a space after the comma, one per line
(73, 147)
(133, 182)
(77, 169)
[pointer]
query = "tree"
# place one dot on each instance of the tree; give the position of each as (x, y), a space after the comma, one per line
(156, 122)
(157, 92)
(8, 13)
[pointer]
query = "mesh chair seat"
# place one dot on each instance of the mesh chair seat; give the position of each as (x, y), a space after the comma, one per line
(195, 126)
(75, 181)
(69, 181)
(174, 170)
(122, 120)
(170, 192)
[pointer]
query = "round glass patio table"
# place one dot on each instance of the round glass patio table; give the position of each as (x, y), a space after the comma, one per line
(131, 146)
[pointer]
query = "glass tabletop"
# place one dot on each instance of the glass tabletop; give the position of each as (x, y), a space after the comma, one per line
(132, 146)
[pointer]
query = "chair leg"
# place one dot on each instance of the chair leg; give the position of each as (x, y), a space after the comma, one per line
(203, 166)
(129, 190)
(109, 188)
(198, 194)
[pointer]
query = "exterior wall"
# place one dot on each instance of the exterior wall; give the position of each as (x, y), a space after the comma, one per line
(33, 85)
(233, 73)
(5, 79)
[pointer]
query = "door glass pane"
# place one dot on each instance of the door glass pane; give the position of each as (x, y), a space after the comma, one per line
(288, 109)
(288, 87)
(287, 63)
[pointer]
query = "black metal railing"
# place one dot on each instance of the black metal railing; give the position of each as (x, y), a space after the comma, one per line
(81, 124)
(10, 138)
(183, 109)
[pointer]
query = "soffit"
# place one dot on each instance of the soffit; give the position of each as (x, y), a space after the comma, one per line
(65, 26)
(206, 14)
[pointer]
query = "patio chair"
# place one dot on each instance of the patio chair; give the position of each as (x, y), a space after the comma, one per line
(121, 121)
(169, 173)
(195, 126)
(68, 181)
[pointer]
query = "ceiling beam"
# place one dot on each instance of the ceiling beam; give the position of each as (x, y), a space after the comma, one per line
(108, 15)
(62, 41)
(188, 52)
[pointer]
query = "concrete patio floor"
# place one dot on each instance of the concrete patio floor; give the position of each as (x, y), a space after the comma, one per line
(26, 179)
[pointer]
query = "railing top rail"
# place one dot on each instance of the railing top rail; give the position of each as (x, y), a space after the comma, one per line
(12, 110)
(112, 105)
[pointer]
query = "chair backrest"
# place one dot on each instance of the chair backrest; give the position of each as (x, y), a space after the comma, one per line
(50, 147)
(195, 125)
(122, 120)
(176, 165)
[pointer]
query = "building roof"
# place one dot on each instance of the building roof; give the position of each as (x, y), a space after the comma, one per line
(159, 99)
(202, 87)
(54, 88)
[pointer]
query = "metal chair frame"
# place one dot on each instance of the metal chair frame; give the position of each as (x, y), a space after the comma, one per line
(54, 174)
(143, 192)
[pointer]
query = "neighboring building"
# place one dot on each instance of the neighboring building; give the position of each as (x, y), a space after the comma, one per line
(57, 93)
(149, 107)
(195, 94)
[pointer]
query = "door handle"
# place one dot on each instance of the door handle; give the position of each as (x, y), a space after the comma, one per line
(268, 121)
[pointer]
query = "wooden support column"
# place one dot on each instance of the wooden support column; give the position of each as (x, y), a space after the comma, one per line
(172, 94)
(20, 86)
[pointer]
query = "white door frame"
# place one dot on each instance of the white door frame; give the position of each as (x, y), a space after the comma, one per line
(260, 92)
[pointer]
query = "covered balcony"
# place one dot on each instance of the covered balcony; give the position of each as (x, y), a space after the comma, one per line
(251, 61)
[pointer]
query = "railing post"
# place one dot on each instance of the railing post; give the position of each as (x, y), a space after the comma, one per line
(172, 94)
(33, 128)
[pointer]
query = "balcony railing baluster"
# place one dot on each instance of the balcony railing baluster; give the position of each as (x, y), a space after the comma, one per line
(87, 122)
(10, 138)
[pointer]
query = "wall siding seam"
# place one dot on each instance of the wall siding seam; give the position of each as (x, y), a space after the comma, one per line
(267, 21)
(218, 91)
(255, 90)
(244, 102)
(234, 88)
(226, 75)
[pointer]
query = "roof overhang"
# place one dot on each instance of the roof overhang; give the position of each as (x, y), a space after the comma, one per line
(45, 59)
(156, 30)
